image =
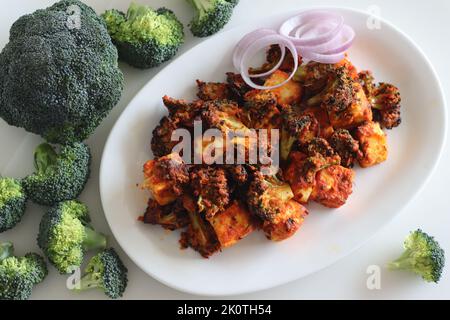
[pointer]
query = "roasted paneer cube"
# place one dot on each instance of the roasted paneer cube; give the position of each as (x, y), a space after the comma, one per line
(321, 115)
(348, 108)
(333, 186)
(287, 223)
(199, 235)
(289, 93)
(233, 224)
(172, 216)
(302, 170)
(373, 144)
(165, 178)
(212, 90)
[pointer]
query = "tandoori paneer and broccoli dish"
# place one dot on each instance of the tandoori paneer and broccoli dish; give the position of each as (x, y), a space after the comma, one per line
(330, 118)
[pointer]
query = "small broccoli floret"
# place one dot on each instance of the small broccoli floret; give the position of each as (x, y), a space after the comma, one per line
(386, 105)
(19, 275)
(210, 186)
(12, 203)
(211, 16)
(58, 177)
(105, 271)
(422, 255)
(296, 130)
(144, 37)
(64, 235)
(59, 75)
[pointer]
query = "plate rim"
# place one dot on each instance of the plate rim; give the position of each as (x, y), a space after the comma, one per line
(403, 207)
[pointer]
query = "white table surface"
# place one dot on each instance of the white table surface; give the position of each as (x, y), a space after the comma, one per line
(427, 22)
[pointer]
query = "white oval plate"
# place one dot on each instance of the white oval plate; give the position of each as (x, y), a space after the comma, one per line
(255, 263)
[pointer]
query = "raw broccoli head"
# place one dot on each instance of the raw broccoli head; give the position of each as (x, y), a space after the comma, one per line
(105, 271)
(58, 177)
(12, 203)
(145, 37)
(211, 16)
(422, 255)
(64, 235)
(59, 75)
(18, 275)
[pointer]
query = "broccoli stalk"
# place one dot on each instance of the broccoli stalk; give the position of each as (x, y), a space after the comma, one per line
(211, 16)
(58, 177)
(64, 235)
(12, 203)
(423, 255)
(18, 275)
(144, 37)
(106, 272)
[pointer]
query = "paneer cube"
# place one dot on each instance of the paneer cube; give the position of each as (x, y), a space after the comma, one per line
(287, 222)
(165, 178)
(289, 93)
(233, 224)
(373, 144)
(333, 186)
(358, 112)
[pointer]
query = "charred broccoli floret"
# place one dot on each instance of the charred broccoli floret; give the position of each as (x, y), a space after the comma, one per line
(59, 78)
(211, 16)
(200, 235)
(210, 186)
(144, 37)
(58, 177)
(386, 105)
(384, 98)
(12, 203)
(64, 235)
(296, 130)
(346, 147)
(19, 275)
(271, 200)
(423, 255)
(106, 272)
(171, 217)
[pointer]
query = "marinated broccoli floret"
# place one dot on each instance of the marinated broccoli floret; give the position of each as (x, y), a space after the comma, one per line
(271, 200)
(145, 37)
(59, 75)
(296, 130)
(346, 147)
(106, 272)
(64, 235)
(12, 203)
(211, 16)
(19, 275)
(58, 177)
(386, 105)
(210, 186)
(172, 216)
(423, 255)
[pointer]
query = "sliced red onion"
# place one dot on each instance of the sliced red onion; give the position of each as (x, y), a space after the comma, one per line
(262, 43)
(323, 58)
(338, 44)
(290, 25)
(246, 41)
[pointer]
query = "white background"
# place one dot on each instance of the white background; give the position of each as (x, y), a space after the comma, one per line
(428, 23)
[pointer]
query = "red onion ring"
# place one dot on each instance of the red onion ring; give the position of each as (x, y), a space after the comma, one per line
(262, 43)
(338, 44)
(290, 25)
